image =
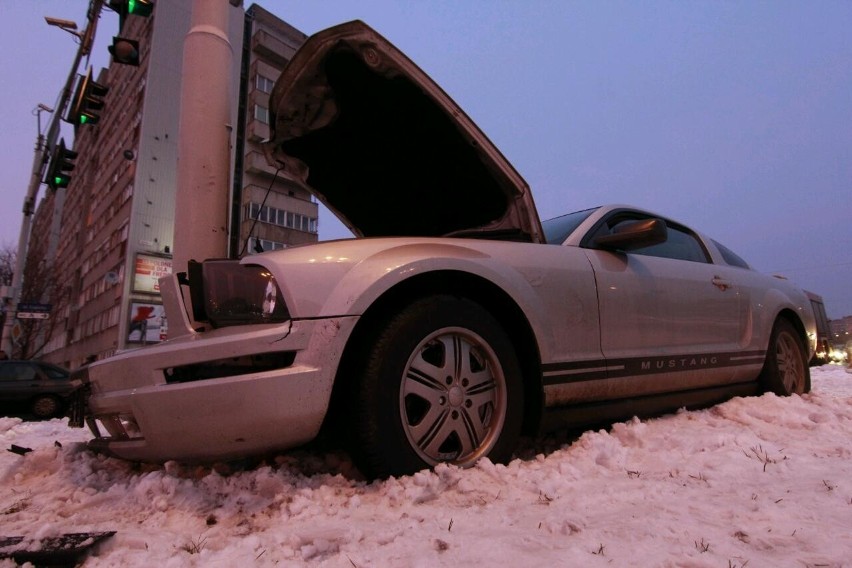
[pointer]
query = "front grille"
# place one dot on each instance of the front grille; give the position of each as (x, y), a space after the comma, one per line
(229, 367)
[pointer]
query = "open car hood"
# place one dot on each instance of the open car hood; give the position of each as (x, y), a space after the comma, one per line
(384, 148)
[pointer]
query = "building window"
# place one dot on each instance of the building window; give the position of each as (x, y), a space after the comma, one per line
(266, 244)
(261, 114)
(281, 218)
(264, 84)
(127, 193)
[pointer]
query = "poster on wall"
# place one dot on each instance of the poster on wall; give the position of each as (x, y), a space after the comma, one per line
(147, 272)
(147, 323)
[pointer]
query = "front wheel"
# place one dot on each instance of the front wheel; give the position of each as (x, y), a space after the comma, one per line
(786, 371)
(441, 384)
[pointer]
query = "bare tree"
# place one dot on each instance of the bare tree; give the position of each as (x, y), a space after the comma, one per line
(8, 254)
(40, 286)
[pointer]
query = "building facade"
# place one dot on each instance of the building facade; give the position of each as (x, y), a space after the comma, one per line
(841, 331)
(271, 212)
(113, 227)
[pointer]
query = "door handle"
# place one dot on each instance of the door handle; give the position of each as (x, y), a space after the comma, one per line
(720, 283)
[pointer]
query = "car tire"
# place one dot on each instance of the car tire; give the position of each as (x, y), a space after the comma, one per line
(786, 370)
(45, 406)
(441, 384)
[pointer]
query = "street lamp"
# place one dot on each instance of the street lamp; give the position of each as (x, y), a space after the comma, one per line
(86, 36)
(67, 25)
(37, 113)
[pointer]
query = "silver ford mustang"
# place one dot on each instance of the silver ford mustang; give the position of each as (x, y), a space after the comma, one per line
(456, 321)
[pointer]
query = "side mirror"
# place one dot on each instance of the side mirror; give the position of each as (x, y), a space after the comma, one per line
(631, 235)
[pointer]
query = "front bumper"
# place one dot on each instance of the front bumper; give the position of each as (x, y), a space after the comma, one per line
(138, 412)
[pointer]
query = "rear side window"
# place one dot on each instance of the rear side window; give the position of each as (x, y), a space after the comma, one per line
(823, 328)
(730, 256)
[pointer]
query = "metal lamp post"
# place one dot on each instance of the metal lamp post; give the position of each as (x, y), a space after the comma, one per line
(44, 146)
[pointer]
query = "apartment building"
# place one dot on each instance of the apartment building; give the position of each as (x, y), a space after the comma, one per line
(112, 229)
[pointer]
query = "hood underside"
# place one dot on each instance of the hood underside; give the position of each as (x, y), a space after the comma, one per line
(384, 148)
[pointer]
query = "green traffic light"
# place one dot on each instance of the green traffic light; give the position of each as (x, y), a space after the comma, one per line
(83, 119)
(140, 7)
(61, 181)
(61, 162)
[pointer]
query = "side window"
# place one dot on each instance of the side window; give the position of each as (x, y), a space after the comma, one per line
(680, 244)
(17, 372)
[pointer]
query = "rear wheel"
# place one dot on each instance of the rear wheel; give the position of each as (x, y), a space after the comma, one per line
(786, 371)
(441, 384)
(45, 406)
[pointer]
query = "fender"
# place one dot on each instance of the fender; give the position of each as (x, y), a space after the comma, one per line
(346, 277)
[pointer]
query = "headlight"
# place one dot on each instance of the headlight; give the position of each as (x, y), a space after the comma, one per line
(237, 294)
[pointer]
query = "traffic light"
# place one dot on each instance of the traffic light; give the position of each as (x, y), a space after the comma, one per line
(125, 51)
(126, 8)
(61, 162)
(88, 101)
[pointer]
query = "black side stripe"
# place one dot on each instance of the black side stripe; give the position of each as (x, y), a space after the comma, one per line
(582, 371)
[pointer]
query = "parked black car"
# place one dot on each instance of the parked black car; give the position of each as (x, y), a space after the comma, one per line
(35, 387)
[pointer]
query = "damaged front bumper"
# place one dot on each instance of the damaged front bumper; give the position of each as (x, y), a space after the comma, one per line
(224, 394)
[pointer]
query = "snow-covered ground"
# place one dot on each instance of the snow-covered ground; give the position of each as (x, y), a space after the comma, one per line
(753, 482)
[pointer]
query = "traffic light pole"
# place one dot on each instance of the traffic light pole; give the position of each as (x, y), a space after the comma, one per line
(43, 144)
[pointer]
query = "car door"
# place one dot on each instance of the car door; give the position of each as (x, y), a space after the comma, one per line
(18, 381)
(670, 319)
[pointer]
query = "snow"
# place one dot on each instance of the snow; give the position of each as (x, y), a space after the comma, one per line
(762, 481)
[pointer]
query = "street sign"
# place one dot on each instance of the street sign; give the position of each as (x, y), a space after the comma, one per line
(31, 310)
(33, 315)
(33, 307)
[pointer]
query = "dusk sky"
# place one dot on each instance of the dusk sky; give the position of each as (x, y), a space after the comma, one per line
(734, 118)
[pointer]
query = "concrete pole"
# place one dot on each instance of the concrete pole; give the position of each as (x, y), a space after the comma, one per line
(203, 178)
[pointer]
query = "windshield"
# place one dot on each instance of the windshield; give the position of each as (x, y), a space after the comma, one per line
(556, 230)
